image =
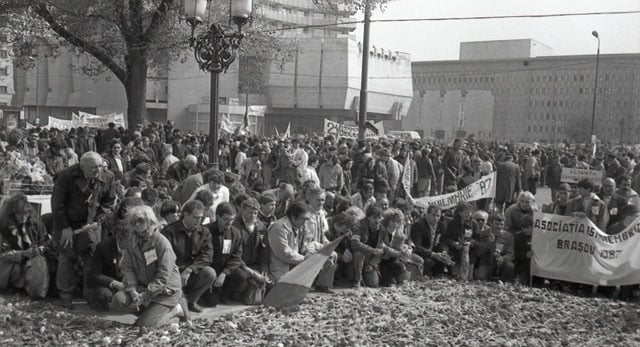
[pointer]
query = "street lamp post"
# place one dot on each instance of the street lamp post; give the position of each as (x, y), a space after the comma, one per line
(215, 50)
(595, 87)
(364, 76)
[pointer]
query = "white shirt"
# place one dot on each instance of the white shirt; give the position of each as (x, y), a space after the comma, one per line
(119, 164)
(219, 196)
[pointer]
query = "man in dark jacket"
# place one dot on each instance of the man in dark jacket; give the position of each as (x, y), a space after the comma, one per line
(366, 254)
(425, 234)
(507, 182)
(180, 170)
(237, 242)
(194, 252)
(81, 195)
(104, 277)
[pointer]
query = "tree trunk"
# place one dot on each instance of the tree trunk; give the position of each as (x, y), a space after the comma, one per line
(136, 87)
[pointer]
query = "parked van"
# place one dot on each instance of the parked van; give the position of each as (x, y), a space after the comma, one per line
(405, 134)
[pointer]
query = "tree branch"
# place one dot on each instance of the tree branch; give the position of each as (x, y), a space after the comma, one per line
(156, 20)
(125, 29)
(99, 54)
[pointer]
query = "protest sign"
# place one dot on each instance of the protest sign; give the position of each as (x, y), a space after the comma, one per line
(59, 123)
(341, 130)
(406, 176)
(483, 188)
(572, 175)
(83, 119)
(574, 249)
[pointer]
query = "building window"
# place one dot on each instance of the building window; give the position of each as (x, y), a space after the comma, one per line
(3, 54)
(3, 90)
(4, 71)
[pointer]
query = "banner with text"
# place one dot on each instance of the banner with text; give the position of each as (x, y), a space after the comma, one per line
(340, 130)
(483, 188)
(572, 175)
(574, 249)
(59, 123)
(95, 121)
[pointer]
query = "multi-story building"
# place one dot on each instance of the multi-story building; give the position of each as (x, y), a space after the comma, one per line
(6, 73)
(526, 97)
(323, 81)
(56, 86)
(306, 19)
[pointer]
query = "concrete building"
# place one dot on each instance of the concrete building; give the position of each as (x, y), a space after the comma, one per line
(323, 81)
(309, 19)
(6, 76)
(56, 86)
(503, 49)
(544, 99)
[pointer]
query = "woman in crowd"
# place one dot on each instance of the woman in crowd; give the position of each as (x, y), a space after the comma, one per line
(22, 239)
(116, 163)
(150, 275)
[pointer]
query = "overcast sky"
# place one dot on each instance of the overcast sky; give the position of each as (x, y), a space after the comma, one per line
(565, 35)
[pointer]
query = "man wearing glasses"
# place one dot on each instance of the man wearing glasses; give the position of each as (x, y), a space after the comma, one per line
(192, 245)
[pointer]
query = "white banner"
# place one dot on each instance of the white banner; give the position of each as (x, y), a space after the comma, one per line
(483, 188)
(341, 130)
(572, 175)
(574, 249)
(83, 119)
(59, 123)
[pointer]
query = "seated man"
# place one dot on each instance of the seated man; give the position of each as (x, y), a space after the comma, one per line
(513, 214)
(425, 234)
(104, 278)
(366, 253)
(285, 236)
(240, 249)
(194, 252)
(588, 205)
(563, 196)
(316, 229)
(482, 256)
(503, 253)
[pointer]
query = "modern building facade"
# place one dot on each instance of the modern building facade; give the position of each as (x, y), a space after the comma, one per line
(6, 76)
(323, 81)
(534, 99)
(306, 19)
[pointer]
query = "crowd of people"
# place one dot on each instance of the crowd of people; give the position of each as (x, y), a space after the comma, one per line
(142, 223)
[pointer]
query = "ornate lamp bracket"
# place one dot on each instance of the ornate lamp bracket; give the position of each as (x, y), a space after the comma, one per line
(215, 50)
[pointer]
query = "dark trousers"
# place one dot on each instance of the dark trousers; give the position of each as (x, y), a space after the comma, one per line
(235, 284)
(99, 298)
(199, 283)
(532, 185)
(392, 271)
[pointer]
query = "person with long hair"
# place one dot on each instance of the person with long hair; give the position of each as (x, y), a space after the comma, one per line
(22, 238)
(393, 269)
(151, 280)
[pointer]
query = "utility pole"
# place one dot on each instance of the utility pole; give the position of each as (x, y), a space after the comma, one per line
(364, 76)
